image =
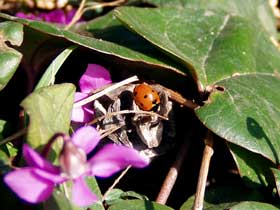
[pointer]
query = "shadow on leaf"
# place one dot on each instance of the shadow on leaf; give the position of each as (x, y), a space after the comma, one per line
(257, 131)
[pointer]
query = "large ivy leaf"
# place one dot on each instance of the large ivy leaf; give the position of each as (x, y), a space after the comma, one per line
(139, 205)
(107, 48)
(49, 110)
(258, 11)
(214, 45)
(109, 28)
(12, 33)
(247, 113)
(227, 52)
(255, 10)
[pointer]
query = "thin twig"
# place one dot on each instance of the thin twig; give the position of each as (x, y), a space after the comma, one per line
(109, 131)
(105, 4)
(77, 15)
(116, 182)
(82, 9)
(177, 97)
(14, 136)
(172, 175)
(111, 114)
(105, 91)
(203, 173)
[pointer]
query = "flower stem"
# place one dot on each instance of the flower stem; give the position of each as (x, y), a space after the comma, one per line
(47, 147)
(111, 114)
(174, 170)
(203, 173)
(14, 136)
(116, 182)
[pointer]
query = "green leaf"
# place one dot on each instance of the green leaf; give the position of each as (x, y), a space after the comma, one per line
(101, 46)
(220, 198)
(164, 3)
(255, 10)
(276, 173)
(116, 195)
(139, 205)
(9, 58)
(108, 28)
(57, 201)
(4, 162)
(214, 45)
(48, 77)
(93, 185)
(254, 206)
(247, 113)
(49, 110)
(132, 194)
(3, 129)
(254, 169)
(6, 150)
(113, 196)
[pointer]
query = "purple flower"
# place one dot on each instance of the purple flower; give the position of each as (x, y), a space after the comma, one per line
(35, 183)
(94, 77)
(54, 16)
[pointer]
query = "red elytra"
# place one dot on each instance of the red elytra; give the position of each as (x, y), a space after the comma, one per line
(146, 97)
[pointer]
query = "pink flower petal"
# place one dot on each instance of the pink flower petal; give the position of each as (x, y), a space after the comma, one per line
(113, 158)
(84, 113)
(55, 16)
(29, 186)
(81, 194)
(95, 77)
(34, 159)
(54, 178)
(29, 16)
(87, 138)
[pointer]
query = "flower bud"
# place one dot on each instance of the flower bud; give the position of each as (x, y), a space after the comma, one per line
(73, 160)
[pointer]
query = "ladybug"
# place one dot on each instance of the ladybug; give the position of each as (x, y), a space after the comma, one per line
(146, 97)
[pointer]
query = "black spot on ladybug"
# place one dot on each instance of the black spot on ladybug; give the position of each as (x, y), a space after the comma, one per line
(145, 96)
(141, 104)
